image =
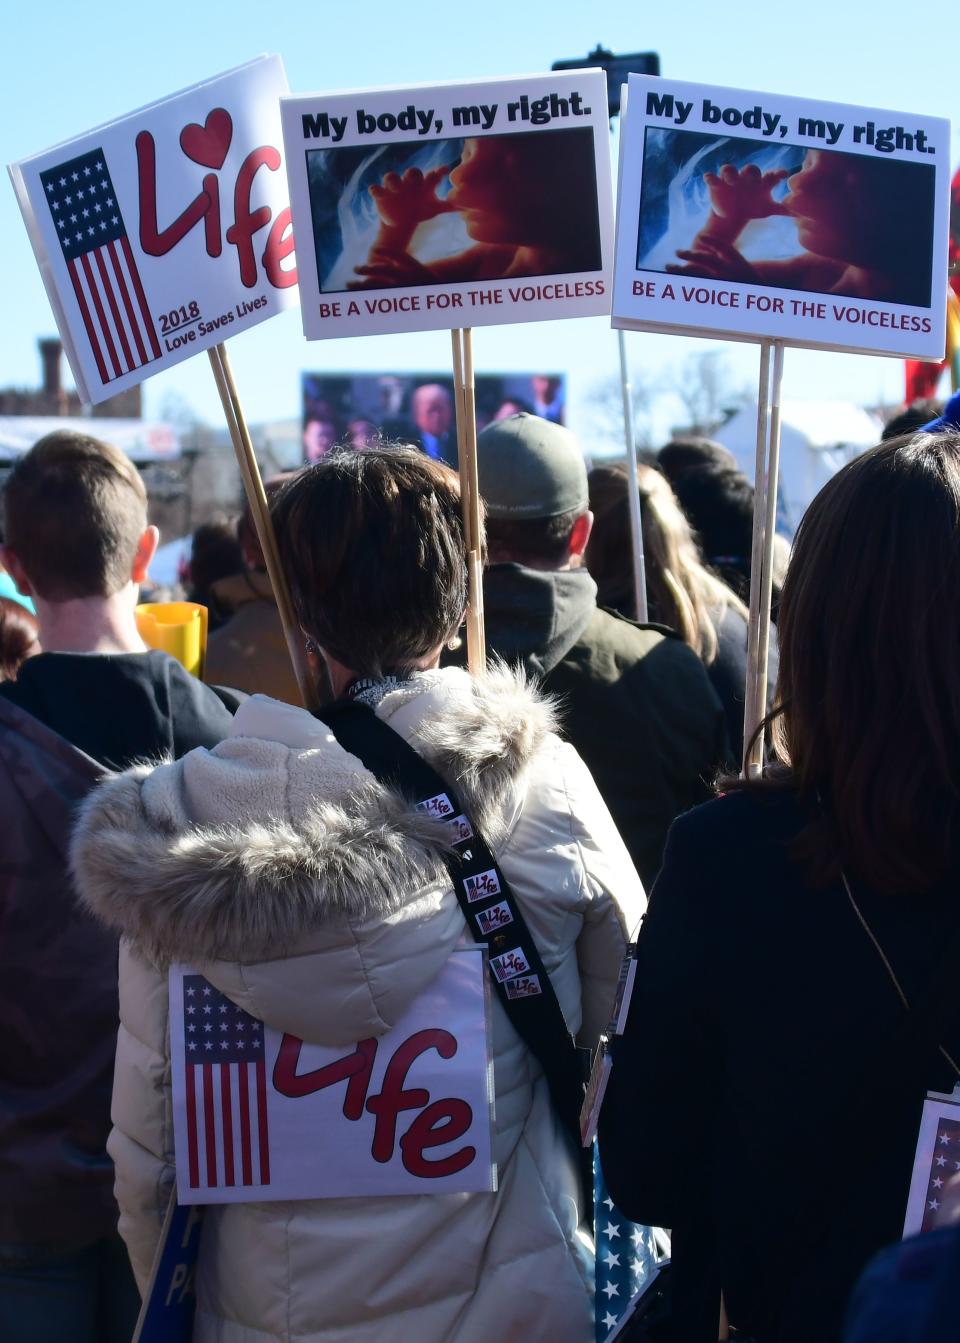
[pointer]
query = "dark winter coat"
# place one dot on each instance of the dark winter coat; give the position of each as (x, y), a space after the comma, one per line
(634, 701)
(58, 967)
(751, 1106)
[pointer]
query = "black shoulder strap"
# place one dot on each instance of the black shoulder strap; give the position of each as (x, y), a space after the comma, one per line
(489, 906)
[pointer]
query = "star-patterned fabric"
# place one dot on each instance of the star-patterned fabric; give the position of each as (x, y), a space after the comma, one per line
(625, 1254)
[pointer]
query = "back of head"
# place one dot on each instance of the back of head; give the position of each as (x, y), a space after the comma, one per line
(691, 452)
(374, 550)
(910, 418)
(74, 511)
(609, 554)
(870, 665)
(247, 537)
(215, 553)
(718, 503)
(18, 637)
(681, 593)
(533, 481)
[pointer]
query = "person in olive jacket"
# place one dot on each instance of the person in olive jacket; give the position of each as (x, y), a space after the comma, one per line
(634, 700)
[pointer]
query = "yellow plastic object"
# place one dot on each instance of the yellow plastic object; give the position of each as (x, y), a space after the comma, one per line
(177, 628)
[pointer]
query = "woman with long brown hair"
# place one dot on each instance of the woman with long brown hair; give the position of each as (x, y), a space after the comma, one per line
(799, 953)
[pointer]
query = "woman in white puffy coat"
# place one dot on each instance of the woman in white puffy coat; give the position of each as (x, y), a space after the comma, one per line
(317, 900)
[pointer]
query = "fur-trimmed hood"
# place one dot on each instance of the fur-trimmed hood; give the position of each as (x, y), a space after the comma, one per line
(255, 849)
(278, 841)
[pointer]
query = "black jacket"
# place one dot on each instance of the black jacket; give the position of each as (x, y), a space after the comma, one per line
(58, 968)
(634, 701)
(728, 674)
(120, 708)
(739, 1109)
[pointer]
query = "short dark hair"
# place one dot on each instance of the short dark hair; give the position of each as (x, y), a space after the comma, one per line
(374, 550)
(214, 554)
(533, 541)
(75, 509)
(691, 451)
(910, 418)
(247, 537)
(718, 504)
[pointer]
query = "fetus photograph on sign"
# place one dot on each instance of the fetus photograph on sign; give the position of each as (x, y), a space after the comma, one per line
(755, 212)
(454, 210)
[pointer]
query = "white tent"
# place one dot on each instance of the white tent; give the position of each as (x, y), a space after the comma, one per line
(816, 439)
(141, 440)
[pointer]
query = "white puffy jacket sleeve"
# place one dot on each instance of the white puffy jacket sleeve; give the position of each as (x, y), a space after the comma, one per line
(613, 903)
(141, 1144)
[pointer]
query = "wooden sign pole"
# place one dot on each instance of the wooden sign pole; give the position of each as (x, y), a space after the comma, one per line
(636, 521)
(761, 575)
(260, 512)
(465, 402)
(750, 715)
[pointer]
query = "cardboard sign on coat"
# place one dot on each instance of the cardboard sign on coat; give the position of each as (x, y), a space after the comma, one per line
(753, 215)
(457, 205)
(160, 234)
(261, 1115)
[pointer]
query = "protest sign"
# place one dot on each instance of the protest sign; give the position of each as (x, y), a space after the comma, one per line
(162, 233)
(752, 215)
(937, 1160)
(417, 408)
(170, 1301)
(455, 205)
(259, 1114)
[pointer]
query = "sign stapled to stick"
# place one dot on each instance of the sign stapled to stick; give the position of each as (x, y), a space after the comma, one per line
(456, 205)
(260, 1114)
(162, 233)
(757, 216)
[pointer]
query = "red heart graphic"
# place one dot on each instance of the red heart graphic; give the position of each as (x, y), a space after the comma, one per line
(208, 144)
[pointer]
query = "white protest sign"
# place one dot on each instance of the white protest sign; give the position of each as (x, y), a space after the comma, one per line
(455, 205)
(937, 1160)
(262, 1115)
(163, 233)
(753, 215)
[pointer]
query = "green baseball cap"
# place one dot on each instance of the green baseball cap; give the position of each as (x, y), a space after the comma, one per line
(530, 468)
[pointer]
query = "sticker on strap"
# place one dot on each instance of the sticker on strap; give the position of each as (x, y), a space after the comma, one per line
(497, 916)
(459, 828)
(439, 806)
(509, 965)
(482, 886)
(527, 986)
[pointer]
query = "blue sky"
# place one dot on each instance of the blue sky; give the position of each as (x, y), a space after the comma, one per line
(70, 67)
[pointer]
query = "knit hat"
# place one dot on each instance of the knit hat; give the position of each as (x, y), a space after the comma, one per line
(530, 468)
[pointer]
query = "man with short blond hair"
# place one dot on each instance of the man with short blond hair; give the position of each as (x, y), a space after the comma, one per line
(77, 540)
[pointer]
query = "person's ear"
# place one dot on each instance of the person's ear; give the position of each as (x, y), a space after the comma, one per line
(580, 534)
(10, 562)
(146, 549)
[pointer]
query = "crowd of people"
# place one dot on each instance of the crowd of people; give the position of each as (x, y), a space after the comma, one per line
(792, 1002)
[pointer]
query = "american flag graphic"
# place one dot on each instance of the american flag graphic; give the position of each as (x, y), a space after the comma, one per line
(226, 1090)
(121, 331)
(944, 1163)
